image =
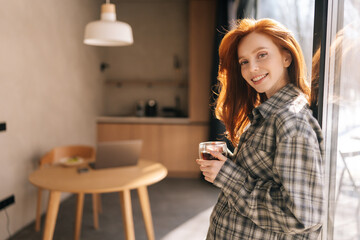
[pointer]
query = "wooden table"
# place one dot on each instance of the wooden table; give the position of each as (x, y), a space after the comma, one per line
(59, 179)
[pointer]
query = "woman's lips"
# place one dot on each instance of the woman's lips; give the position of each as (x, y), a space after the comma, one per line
(258, 79)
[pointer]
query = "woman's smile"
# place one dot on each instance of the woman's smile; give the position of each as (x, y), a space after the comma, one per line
(258, 79)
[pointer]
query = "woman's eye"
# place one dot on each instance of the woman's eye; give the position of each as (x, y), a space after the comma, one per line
(243, 62)
(262, 55)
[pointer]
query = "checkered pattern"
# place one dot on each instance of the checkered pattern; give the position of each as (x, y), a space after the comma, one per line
(273, 188)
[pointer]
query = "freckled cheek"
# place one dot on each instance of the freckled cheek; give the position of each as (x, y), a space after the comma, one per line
(245, 75)
(266, 61)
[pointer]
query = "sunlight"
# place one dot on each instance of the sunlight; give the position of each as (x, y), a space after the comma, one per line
(194, 228)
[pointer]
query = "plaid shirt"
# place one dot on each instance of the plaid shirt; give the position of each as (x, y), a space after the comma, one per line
(273, 188)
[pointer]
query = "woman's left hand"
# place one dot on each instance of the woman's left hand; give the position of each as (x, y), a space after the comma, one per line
(211, 168)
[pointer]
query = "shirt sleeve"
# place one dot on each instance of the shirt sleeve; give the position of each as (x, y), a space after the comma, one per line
(291, 202)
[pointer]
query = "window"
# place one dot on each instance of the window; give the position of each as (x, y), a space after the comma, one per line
(341, 120)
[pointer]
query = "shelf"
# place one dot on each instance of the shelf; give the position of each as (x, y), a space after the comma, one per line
(147, 83)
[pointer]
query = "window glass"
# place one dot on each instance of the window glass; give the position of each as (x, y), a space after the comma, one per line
(342, 105)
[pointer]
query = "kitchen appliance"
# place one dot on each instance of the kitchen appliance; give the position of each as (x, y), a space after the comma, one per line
(151, 108)
(140, 108)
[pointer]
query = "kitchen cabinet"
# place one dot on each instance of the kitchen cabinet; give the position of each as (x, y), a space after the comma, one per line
(201, 43)
(174, 145)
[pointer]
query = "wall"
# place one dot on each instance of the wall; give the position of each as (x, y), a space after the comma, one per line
(50, 91)
(160, 30)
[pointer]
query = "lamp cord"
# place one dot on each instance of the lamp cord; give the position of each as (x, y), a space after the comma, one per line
(8, 223)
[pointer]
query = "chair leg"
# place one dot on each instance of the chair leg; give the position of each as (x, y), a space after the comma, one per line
(38, 210)
(78, 216)
(95, 202)
(339, 189)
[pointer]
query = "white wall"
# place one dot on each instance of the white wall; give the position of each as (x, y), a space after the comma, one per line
(50, 91)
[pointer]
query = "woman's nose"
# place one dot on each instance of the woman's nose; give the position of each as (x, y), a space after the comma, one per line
(254, 66)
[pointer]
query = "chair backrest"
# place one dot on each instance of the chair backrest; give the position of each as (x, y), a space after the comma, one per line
(57, 153)
(349, 154)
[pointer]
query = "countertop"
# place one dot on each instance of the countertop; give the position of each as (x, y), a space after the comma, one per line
(149, 120)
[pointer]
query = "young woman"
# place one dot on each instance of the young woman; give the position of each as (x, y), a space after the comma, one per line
(272, 186)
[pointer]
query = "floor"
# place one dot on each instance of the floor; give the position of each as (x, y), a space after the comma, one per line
(180, 210)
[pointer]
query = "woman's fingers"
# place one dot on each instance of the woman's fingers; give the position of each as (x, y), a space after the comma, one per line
(218, 155)
(210, 168)
(208, 179)
(204, 165)
(209, 176)
(202, 162)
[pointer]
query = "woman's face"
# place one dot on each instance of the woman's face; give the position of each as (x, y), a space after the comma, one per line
(263, 65)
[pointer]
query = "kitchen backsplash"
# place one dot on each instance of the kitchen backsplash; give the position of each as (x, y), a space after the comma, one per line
(122, 101)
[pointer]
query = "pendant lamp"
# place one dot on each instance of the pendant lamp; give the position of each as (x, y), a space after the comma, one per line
(108, 31)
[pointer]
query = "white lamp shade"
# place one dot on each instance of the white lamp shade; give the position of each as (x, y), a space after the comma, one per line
(108, 33)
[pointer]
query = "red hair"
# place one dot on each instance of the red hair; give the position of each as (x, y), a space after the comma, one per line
(236, 98)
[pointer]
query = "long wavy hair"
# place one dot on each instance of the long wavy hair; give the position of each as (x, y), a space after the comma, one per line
(237, 98)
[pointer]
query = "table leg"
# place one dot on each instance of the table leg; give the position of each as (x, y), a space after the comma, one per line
(51, 214)
(95, 203)
(146, 211)
(98, 197)
(78, 216)
(125, 200)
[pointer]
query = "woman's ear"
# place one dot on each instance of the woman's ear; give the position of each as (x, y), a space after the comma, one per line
(287, 58)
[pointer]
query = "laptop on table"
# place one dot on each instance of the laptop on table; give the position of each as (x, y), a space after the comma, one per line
(117, 154)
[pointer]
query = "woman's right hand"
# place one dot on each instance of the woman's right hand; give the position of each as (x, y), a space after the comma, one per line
(211, 168)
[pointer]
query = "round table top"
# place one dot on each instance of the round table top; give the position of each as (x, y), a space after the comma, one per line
(67, 179)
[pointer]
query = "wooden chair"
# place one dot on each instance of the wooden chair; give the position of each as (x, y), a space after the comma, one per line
(53, 157)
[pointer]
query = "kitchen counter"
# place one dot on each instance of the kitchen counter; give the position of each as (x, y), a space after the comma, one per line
(144, 120)
(171, 141)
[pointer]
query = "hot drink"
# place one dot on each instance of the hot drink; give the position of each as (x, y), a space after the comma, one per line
(208, 156)
(206, 147)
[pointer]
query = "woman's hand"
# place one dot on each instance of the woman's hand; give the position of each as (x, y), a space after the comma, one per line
(211, 168)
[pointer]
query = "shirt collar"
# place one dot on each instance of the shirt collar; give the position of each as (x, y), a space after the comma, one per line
(276, 101)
